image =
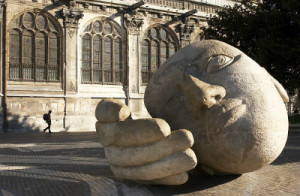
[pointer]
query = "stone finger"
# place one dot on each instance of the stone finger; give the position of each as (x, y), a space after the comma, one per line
(140, 155)
(111, 110)
(106, 132)
(171, 165)
(132, 132)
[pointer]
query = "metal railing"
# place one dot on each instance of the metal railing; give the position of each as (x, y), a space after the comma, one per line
(33, 72)
(108, 77)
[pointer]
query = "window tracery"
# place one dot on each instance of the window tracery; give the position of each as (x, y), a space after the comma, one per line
(35, 48)
(158, 45)
(103, 53)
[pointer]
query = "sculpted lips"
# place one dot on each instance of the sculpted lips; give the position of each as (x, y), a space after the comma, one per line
(226, 113)
(233, 115)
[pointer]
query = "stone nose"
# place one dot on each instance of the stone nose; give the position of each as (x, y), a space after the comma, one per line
(199, 95)
(212, 94)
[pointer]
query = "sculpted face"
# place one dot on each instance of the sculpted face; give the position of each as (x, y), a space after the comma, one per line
(233, 107)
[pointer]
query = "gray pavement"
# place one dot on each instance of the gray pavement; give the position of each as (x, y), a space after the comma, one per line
(74, 164)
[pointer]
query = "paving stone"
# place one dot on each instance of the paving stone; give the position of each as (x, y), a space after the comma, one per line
(74, 164)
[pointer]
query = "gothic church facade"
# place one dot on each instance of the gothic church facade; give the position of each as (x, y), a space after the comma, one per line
(66, 56)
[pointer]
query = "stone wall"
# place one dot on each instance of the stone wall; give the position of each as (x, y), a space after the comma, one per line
(72, 102)
(68, 114)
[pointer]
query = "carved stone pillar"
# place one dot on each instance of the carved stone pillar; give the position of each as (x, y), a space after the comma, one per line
(133, 24)
(3, 78)
(2, 47)
(70, 18)
(185, 30)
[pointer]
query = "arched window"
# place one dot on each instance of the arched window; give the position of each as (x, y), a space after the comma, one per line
(35, 48)
(158, 45)
(103, 53)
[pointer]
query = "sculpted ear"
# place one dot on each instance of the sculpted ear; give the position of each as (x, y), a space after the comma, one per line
(279, 88)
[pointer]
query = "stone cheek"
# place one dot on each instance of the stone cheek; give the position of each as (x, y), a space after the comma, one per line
(235, 133)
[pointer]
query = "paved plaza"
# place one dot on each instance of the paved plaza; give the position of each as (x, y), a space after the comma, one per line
(74, 164)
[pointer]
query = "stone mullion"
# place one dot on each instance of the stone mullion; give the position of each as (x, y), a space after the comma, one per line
(2, 47)
(159, 54)
(123, 56)
(150, 59)
(113, 60)
(92, 58)
(102, 59)
(60, 58)
(21, 56)
(47, 45)
(34, 66)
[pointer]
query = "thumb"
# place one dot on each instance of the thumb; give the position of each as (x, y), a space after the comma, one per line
(112, 110)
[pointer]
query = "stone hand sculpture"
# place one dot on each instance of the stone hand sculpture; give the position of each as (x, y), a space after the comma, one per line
(143, 150)
(234, 109)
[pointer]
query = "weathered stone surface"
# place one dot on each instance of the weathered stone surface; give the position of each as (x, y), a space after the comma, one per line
(132, 132)
(233, 107)
(111, 110)
(171, 165)
(145, 150)
(140, 155)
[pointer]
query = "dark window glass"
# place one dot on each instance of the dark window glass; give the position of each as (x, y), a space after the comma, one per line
(154, 56)
(97, 27)
(28, 55)
(86, 58)
(153, 33)
(163, 53)
(34, 52)
(156, 49)
(97, 59)
(106, 52)
(171, 49)
(15, 54)
(41, 57)
(107, 28)
(145, 62)
(118, 60)
(107, 61)
(53, 66)
(28, 20)
(41, 22)
(163, 34)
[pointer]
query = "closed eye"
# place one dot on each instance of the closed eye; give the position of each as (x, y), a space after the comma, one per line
(217, 62)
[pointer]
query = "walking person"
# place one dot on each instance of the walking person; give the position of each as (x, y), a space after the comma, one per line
(47, 118)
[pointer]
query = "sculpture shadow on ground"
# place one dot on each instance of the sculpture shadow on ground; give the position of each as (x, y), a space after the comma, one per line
(68, 161)
(196, 182)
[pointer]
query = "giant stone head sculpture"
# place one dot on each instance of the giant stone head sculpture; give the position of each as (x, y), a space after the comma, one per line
(233, 107)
